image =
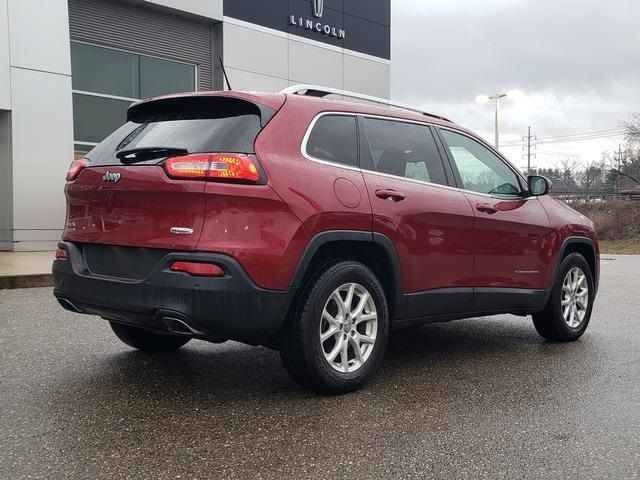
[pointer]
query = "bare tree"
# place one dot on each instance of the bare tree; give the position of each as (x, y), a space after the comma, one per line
(632, 128)
(568, 168)
(591, 177)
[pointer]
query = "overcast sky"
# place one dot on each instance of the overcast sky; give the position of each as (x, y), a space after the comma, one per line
(577, 63)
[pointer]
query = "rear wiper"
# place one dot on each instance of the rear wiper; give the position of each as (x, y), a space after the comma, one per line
(134, 155)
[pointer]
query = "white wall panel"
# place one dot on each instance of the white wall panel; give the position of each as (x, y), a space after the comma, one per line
(255, 51)
(241, 80)
(367, 76)
(310, 64)
(263, 53)
(39, 35)
(5, 84)
(42, 147)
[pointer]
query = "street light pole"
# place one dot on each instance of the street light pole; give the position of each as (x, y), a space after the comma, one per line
(497, 98)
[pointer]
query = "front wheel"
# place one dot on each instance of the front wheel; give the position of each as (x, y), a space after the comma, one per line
(146, 340)
(336, 338)
(568, 310)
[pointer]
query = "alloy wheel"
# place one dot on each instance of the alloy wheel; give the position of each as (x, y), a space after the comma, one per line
(575, 297)
(348, 327)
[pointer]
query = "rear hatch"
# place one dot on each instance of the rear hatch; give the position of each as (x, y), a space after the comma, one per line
(121, 194)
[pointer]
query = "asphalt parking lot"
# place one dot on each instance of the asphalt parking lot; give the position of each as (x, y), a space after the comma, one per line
(480, 398)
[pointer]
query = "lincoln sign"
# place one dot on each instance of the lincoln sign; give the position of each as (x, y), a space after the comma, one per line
(320, 27)
(309, 24)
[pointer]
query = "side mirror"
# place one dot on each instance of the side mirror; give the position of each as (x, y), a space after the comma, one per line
(538, 185)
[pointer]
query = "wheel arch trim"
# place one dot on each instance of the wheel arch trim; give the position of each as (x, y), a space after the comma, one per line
(334, 236)
(576, 240)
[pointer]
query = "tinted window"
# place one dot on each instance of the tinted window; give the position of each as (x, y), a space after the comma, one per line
(480, 169)
(158, 77)
(199, 125)
(103, 70)
(96, 117)
(334, 139)
(129, 76)
(404, 149)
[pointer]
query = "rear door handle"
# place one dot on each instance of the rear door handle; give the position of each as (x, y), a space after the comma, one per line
(486, 208)
(388, 194)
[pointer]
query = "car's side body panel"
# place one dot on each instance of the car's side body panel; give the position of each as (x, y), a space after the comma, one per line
(253, 225)
(513, 244)
(431, 230)
(569, 227)
(323, 196)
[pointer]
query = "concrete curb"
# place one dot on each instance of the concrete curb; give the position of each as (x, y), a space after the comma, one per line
(26, 281)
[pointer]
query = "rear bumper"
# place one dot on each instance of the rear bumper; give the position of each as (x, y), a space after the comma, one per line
(225, 308)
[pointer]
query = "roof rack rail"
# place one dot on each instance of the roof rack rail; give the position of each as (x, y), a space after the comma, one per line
(319, 91)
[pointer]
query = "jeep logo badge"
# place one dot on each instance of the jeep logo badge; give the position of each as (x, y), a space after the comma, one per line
(111, 177)
(318, 8)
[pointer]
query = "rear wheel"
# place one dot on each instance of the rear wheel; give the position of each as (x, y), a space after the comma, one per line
(568, 310)
(336, 338)
(146, 340)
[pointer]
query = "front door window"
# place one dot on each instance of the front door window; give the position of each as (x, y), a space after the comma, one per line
(480, 169)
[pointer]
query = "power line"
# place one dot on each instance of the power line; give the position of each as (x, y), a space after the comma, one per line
(568, 140)
(575, 137)
(581, 134)
(558, 154)
(581, 139)
(595, 132)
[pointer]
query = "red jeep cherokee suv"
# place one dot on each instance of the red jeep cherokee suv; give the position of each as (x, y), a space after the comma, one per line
(314, 226)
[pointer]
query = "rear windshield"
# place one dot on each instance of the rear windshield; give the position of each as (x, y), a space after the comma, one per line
(197, 124)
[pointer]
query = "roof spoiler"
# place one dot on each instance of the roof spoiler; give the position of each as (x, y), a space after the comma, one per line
(198, 106)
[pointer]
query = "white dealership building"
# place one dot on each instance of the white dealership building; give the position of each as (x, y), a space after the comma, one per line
(70, 68)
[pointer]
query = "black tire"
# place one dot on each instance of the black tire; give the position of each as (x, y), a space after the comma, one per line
(550, 322)
(146, 340)
(301, 350)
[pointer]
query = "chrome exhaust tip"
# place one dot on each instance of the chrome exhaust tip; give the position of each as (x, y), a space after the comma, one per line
(67, 305)
(179, 327)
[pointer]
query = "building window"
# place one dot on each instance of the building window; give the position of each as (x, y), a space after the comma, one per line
(106, 81)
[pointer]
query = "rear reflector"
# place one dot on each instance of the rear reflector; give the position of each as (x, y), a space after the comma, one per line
(213, 166)
(198, 269)
(75, 168)
(61, 254)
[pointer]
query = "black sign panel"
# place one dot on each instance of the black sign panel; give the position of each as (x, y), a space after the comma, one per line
(360, 25)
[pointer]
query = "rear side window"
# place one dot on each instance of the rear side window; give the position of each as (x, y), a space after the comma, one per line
(334, 139)
(404, 150)
(197, 124)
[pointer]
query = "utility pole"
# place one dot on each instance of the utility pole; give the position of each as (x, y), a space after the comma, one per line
(528, 138)
(619, 164)
(529, 152)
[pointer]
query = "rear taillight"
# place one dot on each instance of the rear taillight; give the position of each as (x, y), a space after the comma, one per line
(75, 168)
(198, 269)
(213, 166)
(61, 254)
